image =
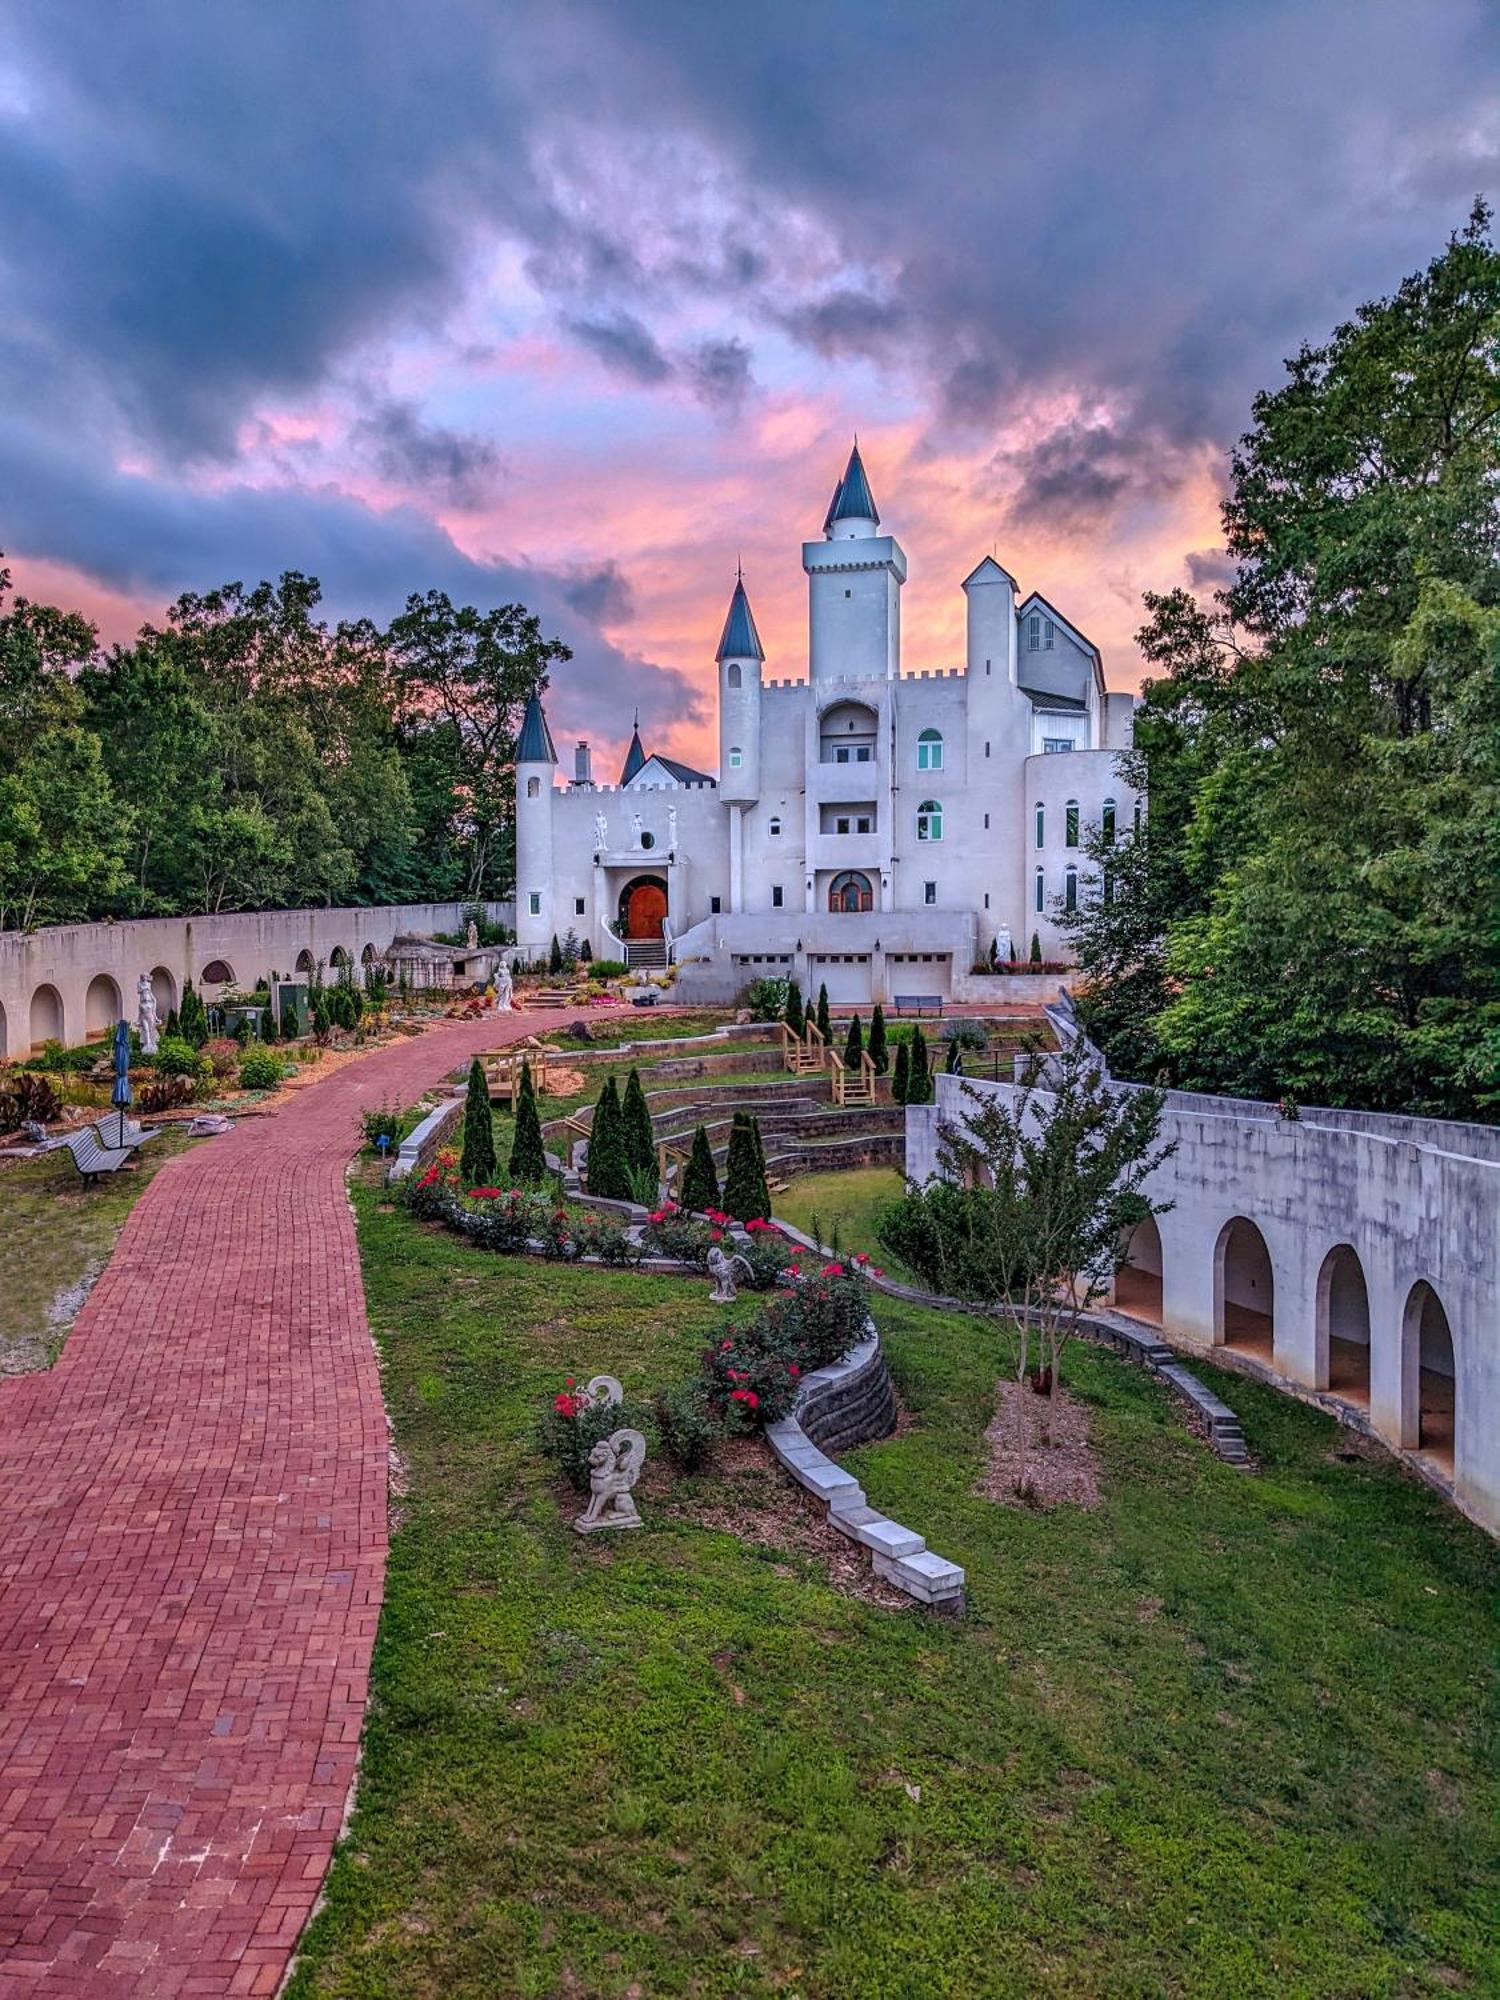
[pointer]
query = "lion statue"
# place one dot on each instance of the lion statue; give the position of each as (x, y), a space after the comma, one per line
(614, 1467)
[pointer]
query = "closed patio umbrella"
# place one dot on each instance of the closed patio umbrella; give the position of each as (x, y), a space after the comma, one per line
(120, 1094)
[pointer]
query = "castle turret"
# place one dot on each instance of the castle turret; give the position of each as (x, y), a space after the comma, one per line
(741, 659)
(536, 760)
(854, 579)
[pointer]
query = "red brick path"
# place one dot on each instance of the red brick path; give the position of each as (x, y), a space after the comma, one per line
(192, 1553)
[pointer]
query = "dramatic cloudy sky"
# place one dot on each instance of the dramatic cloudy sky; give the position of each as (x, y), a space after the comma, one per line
(581, 302)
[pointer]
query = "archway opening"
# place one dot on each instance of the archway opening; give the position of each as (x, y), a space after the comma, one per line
(338, 958)
(217, 972)
(163, 991)
(643, 907)
(304, 967)
(1244, 1291)
(46, 1023)
(850, 893)
(1428, 1343)
(1138, 1280)
(1343, 1326)
(101, 1007)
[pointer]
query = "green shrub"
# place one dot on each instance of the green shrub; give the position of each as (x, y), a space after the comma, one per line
(699, 1188)
(879, 1054)
(569, 1427)
(766, 999)
(746, 1196)
(176, 1056)
(670, 1233)
(27, 1098)
(635, 1124)
(608, 968)
(919, 1071)
(902, 1074)
(55, 1060)
(528, 1157)
(260, 1070)
(825, 1024)
(794, 1014)
(686, 1424)
(607, 1238)
(502, 1221)
(854, 1044)
(383, 1123)
(477, 1166)
(608, 1172)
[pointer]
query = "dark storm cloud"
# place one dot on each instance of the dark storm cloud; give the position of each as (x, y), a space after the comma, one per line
(601, 594)
(1209, 570)
(451, 465)
(720, 373)
(624, 344)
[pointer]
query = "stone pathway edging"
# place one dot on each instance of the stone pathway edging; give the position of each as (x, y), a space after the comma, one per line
(192, 1552)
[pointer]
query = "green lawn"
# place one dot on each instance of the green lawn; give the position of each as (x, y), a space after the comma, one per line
(56, 1234)
(1228, 1735)
(845, 1205)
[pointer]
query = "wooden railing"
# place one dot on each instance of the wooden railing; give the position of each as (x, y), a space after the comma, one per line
(803, 1053)
(852, 1086)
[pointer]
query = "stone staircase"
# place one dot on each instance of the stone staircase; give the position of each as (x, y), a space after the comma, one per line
(646, 954)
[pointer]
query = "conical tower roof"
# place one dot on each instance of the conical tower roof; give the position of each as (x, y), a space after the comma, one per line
(635, 756)
(535, 745)
(740, 640)
(852, 499)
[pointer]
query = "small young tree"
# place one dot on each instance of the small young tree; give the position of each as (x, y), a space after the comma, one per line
(994, 954)
(919, 1071)
(902, 1074)
(1036, 949)
(192, 1016)
(854, 1044)
(794, 1017)
(608, 1173)
(824, 1027)
(955, 1063)
(528, 1156)
(585, 953)
(1038, 1187)
(879, 1053)
(477, 1164)
(639, 1139)
(555, 957)
(699, 1188)
(569, 949)
(745, 1193)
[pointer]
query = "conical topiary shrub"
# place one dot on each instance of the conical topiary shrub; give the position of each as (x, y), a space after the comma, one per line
(477, 1166)
(824, 1027)
(955, 1061)
(608, 1175)
(640, 1141)
(880, 1055)
(902, 1073)
(1036, 949)
(919, 1071)
(745, 1193)
(854, 1044)
(528, 1156)
(699, 1187)
(793, 1014)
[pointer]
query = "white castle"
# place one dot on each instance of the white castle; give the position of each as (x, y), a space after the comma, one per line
(874, 831)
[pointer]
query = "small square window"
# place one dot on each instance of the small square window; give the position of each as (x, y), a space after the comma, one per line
(578, 906)
(776, 896)
(929, 892)
(862, 826)
(715, 904)
(841, 826)
(848, 593)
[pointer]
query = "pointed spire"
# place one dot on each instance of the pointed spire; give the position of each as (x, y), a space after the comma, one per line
(740, 639)
(535, 744)
(635, 756)
(852, 499)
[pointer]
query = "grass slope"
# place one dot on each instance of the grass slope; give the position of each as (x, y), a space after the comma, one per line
(1229, 1734)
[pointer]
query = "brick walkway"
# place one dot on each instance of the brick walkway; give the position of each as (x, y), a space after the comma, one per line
(192, 1553)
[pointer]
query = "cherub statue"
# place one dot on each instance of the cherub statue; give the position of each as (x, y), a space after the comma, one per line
(614, 1467)
(721, 1270)
(145, 1014)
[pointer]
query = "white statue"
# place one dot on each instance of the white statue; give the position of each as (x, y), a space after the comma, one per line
(635, 822)
(601, 833)
(614, 1467)
(145, 1014)
(471, 936)
(721, 1270)
(504, 989)
(1004, 948)
(604, 1389)
(672, 829)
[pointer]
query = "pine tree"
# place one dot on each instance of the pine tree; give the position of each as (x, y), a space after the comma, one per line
(763, 1192)
(608, 1175)
(919, 1072)
(854, 1044)
(268, 1024)
(793, 1014)
(903, 1071)
(955, 1060)
(639, 1139)
(824, 1028)
(555, 957)
(528, 1156)
(699, 1188)
(1036, 949)
(745, 1194)
(192, 1016)
(879, 1053)
(477, 1166)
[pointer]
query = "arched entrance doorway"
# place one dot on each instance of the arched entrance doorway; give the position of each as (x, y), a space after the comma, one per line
(46, 1023)
(643, 907)
(1138, 1280)
(1429, 1418)
(101, 1007)
(1343, 1325)
(1244, 1290)
(850, 893)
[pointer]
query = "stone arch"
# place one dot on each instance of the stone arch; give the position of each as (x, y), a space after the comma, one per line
(1244, 1290)
(304, 966)
(1342, 1325)
(164, 990)
(1429, 1375)
(1139, 1279)
(339, 959)
(217, 972)
(101, 1007)
(848, 732)
(46, 1016)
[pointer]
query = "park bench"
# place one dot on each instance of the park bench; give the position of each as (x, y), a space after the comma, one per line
(919, 1003)
(96, 1152)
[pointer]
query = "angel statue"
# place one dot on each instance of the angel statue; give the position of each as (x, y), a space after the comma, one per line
(146, 1020)
(601, 833)
(614, 1467)
(721, 1270)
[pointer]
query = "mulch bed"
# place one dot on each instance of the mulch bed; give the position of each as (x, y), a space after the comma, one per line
(1061, 1473)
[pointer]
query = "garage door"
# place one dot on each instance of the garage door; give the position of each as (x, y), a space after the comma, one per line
(928, 973)
(846, 975)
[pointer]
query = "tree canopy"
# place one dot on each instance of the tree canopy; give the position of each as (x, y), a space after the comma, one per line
(1312, 907)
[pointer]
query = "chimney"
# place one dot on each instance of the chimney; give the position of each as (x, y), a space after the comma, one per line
(583, 772)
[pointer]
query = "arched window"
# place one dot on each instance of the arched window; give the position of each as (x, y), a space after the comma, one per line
(930, 750)
(732, 677)
(1137, 815)
(533, 788)
(736, 758)
(1040, 899)
(850, 893)
(775, 829)
(929, 820)
(1107, 823)
(1070, 889)
(1041, 825)
(1070, 823)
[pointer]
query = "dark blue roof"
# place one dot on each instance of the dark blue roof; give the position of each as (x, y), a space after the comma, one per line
(635, 756)
(535, 746)
(852, 499)
(741, 641)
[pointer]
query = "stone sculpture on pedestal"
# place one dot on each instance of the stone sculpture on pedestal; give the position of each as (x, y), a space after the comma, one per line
(721, 1270)
(145, 1016)
(614, 1467)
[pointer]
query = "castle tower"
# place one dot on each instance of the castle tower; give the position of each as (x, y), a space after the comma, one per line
(536, 760)
(998, 729)
(854, 579)
(741, 658)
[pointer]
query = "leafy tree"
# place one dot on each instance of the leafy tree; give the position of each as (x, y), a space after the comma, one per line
(824, 1026)
(639, 1139)
(608, 1172)
(879, 1054)
(746, 1196)
(700, 1179)
(794, 1017)
(528, 1157)
(854, 1044)
(477, 1164)
(901, 1080)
